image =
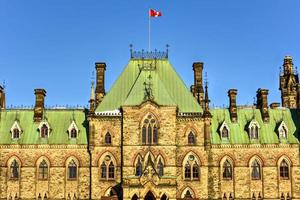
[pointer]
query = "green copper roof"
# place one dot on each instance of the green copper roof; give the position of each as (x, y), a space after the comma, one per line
(58, 120)
(166, 86)
(267, 133)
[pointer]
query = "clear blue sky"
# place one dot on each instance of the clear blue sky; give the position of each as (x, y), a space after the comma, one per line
(53, 44)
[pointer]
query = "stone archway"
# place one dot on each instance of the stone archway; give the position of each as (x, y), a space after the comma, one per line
(149, 196)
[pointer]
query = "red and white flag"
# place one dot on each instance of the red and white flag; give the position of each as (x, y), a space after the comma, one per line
(154, 13)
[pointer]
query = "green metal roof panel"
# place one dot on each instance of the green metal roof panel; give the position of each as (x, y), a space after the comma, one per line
(267, 133)
(167, 87)
(58, 120)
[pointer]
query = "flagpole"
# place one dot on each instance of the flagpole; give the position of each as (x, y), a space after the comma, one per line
(149, 32)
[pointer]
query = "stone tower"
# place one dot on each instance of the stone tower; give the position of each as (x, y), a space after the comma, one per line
(288, 84)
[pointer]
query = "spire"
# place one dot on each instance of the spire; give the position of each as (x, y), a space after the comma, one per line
(92, 97)
(206, 112)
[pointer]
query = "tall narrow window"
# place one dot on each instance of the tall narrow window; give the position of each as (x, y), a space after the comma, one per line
(191, 138)
(138, 168)
(225, 132)
(259, 196)
(230, 196)
(135, 197)
(253, 196)
(149, 131)
(282, 196)
(72, 170)
(107, 138)
(253, 131)
(14, 170)
(164, 197)
(284, 170)
(187, 171)
(103, 170)
(73, 133)
(16, 133)
(43, 170)
(283, 132)
(111, 170)
(160, 168)
(288, 196)
(227, 170)
(195, 171)
(255, 173)
(44, 131)
(188, 195)
(224, 197)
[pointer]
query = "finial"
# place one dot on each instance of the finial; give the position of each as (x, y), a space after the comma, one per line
(167, 50)
(131, 50)
(205, 79)
(280, 71)
(3, 85)
(93, 78)
(296, 70)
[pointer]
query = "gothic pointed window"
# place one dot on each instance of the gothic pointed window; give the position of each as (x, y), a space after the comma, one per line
(44, 131)
(43, 170)
(224, 197)
(72, 170)
(284, 170)
(224, 131)
(16, 130)
(39, 197)
(282, 196)
(45, 197)
(187, 171)
(16, 133)
(195, 171)
(14, 170)
(138, 168)
(288, 196)
(191, 138)
(227, 170)
(103, 170)
(160, 168)
(164, 197)
(135, 197)
(253, 196)
(73, 130)
(149, 131)
(283, 130)
(231, 196)
(111, 171)
(253, 130)
(188, 195)
(107, 138)
(259, 196)
(255, 170)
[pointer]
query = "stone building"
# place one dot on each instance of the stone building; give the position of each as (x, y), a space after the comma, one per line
(150, 137)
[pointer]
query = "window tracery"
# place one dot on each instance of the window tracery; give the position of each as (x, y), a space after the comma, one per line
(150, 130)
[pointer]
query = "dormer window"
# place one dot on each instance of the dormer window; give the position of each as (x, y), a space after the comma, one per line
(73, 130)
(253, 129)
(44, 129)
(224, 131)
(15, 131)
(282, 130)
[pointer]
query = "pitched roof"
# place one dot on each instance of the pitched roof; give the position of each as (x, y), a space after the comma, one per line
(58, 120)
(167, 87)
(267, 132)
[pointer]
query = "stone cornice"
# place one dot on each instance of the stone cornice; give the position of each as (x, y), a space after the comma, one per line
(248, 146)
(42, 146)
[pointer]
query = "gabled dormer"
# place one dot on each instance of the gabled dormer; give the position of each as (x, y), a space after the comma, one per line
(73, 130)
(282, 130)
(253, 130)
(15, 130)
(44, 129)
(224, 131)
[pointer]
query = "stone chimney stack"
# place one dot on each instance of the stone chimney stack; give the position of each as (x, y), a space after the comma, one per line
(197, 88)
(100, 74)
(39, 104)
(232, 105)
(262, 103)
(288, 66)
(2, 98)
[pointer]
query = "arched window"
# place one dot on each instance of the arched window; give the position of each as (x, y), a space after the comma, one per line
(284, 169)
(39, 197)
(16, 133)
(72, 170)
(227, 170)
(73, 133)
(149, 131)
(283, 132)
(224, 132)
(103, 170)
(253, 130)
(45, 197)
(107, 138)
(111, 171)
(191, 168)
(188, 195)
(187, 171)
(107, 168)
(288, 196)
(138, 168)
(224, 196)
(44, 131)
(164, 197)
(43, 170)
(135, 197)
(195, 171)
(255, 170)
(14, 169)
(231, 196)
(253, 196)
(282, 196)
(160, 168)
(191, 138)
(259, 196)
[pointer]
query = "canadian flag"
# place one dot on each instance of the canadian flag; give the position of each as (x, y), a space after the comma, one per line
(154, 13)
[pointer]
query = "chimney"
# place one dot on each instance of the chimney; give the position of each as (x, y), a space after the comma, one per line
(2, 98)
(197, 88)
(100, 90)
(232, 105)
(288, 66)
(274, 105)
(39, 104)
(262, 103)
